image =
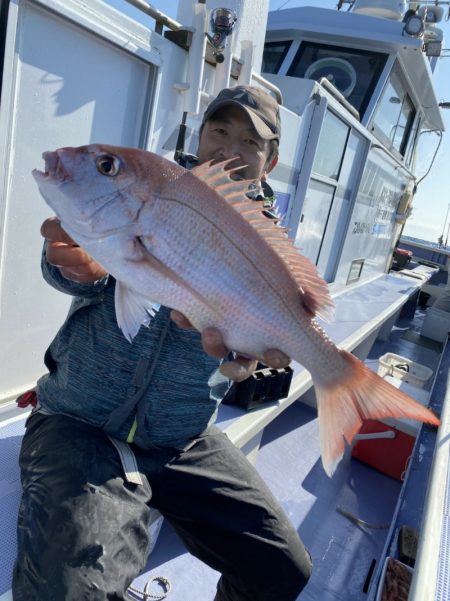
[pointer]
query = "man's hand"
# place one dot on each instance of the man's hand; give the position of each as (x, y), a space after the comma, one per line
(73, 262)
(239, 369)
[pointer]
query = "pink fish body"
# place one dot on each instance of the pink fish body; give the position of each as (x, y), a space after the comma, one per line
(191, 240)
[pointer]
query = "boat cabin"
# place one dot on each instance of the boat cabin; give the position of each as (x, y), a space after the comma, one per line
(362, 81)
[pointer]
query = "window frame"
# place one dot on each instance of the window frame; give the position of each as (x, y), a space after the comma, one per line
(287, 46)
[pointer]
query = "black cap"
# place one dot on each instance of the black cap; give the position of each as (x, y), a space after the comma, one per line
(261, 107)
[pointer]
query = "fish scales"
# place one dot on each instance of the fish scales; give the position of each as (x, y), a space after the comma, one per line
(194, 242)
(252, 286)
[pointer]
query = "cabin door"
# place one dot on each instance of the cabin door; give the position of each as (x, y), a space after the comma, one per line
(314, 218)
(337, 168)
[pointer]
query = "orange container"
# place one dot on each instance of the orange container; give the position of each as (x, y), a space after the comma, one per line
(388, 455)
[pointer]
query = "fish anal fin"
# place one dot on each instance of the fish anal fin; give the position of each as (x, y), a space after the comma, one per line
(356, 395)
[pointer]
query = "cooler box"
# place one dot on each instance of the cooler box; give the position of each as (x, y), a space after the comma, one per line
(436, 324)
(391, 455)
(402, 257)
(404, 369)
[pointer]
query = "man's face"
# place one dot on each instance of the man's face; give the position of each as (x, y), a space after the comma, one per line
(230, 133)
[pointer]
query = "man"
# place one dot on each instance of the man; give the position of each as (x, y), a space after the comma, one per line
(83, 520)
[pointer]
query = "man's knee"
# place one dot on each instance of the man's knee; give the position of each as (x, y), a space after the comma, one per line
(284, 579)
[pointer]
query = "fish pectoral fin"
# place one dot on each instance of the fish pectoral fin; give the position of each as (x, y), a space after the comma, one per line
(132, 310)
(357, 395)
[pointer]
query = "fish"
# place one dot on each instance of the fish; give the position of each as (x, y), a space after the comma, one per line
(193, 241)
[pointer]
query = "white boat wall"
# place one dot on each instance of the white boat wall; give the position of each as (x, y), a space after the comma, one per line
(357, 92)
(77, 72)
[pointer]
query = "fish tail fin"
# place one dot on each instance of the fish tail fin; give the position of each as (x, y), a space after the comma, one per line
(357, 395)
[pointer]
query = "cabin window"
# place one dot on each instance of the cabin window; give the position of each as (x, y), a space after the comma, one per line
(353, 72)
(395, 114)
(328, 158)
(273, 56)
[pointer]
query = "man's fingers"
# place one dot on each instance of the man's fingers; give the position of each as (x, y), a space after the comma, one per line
(213, 343)
(51, 230)
(73, 262)
(62, 255)
(242, 368)
(276, 359)
(181, 320)
(238, 370)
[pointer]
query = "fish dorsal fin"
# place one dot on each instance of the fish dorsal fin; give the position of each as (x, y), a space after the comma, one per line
(314, 291)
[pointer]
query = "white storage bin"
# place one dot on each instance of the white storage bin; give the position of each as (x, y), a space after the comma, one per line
(408, 426)
(436, 324)
(404, 369)
(399, 576)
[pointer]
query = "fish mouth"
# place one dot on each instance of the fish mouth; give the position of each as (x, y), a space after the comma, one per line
(54, 170)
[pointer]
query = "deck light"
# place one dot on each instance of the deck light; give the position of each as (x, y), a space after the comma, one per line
(414, 26)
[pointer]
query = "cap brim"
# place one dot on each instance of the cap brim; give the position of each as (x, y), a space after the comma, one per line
(262, 129)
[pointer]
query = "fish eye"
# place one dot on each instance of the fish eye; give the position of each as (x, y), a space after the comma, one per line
(108, 164)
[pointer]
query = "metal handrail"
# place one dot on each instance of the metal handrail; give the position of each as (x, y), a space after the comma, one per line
(325, 83)
(378, 146)
(156, 14)
(269, 85)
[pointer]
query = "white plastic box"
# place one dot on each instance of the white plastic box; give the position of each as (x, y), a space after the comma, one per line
(404, 369)
(403, 585)
(436, 324)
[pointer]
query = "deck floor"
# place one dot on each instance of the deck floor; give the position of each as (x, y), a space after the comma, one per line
(346, 555)
(342, 552)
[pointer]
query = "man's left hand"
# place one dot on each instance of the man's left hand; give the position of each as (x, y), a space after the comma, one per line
(240, 368)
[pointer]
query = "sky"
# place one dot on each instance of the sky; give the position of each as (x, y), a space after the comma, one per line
(432, 200)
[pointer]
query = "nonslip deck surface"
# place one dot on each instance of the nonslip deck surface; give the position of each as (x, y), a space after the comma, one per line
(346, 555)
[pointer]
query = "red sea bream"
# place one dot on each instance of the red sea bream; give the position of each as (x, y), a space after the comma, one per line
(191, 240)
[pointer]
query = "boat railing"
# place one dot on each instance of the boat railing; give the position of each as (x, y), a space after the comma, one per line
(325, 83)
(431, 574)
(160, 18)
(393, 157)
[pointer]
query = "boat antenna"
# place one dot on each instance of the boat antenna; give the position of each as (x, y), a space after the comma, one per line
(441, 237)
(439, 133)
(283, 5)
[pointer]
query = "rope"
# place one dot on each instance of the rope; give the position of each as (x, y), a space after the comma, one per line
(163, 582)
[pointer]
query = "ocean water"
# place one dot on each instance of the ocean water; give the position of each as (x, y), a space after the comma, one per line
(425, 242)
